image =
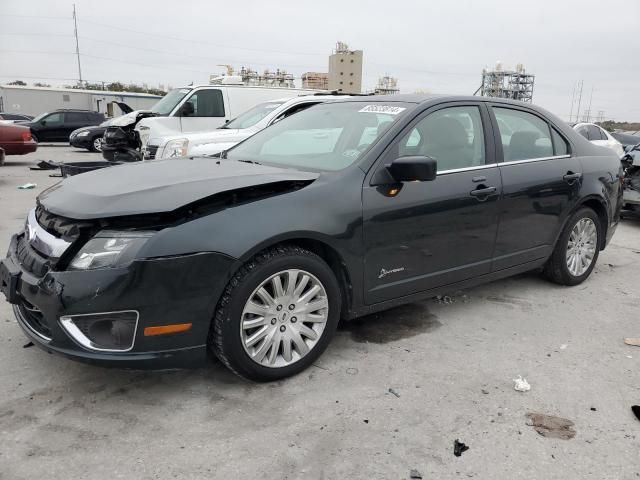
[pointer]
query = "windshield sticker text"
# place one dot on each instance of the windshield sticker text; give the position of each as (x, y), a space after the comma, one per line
(382, 109)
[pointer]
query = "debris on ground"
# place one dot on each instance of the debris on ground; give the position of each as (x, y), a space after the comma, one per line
(45, 165)
(551, 426)
(521, 384)
(636, 411)
(635, 342)
(485, 391)
(27, 186)
(27, 345)
(563, 346)
(415, 474)
(593, 409)
(444, 299)
(459, 448)
(393, 392)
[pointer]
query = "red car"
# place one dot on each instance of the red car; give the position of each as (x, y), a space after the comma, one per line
(15, 140)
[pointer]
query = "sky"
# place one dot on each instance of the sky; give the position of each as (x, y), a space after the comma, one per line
(436, 46)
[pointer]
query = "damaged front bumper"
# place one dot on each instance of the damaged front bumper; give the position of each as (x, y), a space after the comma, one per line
(153, 292)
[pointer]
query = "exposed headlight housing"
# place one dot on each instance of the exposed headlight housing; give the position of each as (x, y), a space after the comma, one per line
(83, 133)
(176, 148)
(109, 249)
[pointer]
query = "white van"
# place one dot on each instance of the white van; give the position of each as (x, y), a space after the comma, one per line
(206, 107)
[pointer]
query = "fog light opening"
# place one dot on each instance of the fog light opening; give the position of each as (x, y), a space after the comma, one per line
(105, 332)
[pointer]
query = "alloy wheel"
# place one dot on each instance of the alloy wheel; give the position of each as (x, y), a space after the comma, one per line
(581, 247)
(97, 143)
(284, 318)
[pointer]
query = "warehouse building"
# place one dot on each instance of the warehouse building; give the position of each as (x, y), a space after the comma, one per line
(36, 100)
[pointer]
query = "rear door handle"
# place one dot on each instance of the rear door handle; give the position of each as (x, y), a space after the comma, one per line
(571, 177)
(483, 192)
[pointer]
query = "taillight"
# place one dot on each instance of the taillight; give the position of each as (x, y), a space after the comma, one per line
(26, 136)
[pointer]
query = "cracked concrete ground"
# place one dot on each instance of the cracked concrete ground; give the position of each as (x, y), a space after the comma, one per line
(450, 366)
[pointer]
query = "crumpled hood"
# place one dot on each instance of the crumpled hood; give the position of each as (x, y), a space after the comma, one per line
(156, 187)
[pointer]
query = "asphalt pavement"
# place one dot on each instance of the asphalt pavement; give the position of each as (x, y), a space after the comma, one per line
(392, 393)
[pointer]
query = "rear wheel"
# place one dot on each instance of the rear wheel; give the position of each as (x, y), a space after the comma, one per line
(277, 315)
(577, 249)
(1, 157)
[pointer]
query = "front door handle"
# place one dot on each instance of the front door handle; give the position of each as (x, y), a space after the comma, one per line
(571, 177)
(482, 192)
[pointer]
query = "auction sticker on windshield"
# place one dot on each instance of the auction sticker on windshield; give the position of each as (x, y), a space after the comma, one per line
(382, 109)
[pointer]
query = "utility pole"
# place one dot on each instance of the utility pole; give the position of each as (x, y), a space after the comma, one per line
(579, 100)
(573, 101)
(589, 109)
(75, 32)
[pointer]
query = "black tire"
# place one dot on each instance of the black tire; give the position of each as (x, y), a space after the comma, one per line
(224, 338)
(556, 268)
(35, 139)
(2, 155)
(92, 147)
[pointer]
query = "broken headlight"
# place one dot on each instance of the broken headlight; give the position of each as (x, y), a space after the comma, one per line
(109, 250)
(176, 148)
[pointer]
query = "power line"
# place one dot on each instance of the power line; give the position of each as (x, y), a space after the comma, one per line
(167, 37)
(37, 52)
(36, 34)
(33, 16)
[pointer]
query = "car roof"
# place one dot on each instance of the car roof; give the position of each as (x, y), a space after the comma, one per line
(421, 98)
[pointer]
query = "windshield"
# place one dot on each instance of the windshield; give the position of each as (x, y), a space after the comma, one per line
(327, 137)
(253, 116)
(40, 117)
(169, 101)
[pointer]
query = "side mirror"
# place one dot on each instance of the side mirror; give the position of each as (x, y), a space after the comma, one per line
(187, 109)
(407, 169)
(43, 122)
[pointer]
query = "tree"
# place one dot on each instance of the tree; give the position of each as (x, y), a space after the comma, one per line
(18, 82)
(39, 84)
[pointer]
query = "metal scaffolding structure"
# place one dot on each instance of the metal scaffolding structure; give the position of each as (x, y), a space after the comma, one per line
(387, 86)
(515, 84)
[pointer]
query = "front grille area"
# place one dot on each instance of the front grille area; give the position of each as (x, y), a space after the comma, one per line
(150, 152)
(33, 319)
(30, 259)
(58, 226)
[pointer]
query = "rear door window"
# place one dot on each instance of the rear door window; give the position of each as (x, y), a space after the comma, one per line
(75, 117)
(560, 146)
(525, 137)
(594, 133)
(207, 103)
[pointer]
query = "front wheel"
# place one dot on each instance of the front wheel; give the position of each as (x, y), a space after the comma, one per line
(577, 249)
(96, 144)
(277, 314)
(35, 139)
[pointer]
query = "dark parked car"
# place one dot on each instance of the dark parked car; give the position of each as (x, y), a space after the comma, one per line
(56, 126)
(92, 137)
(344, 209)
(626, 139)
(15, 140)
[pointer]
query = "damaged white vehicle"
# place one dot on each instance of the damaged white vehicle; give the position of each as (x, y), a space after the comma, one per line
(242, 127)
